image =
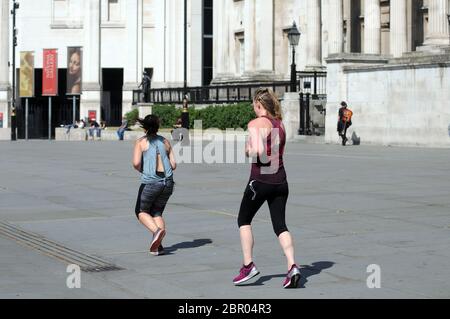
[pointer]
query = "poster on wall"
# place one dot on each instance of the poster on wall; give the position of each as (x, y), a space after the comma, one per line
(92, 115)
(74, 70)
(26, 88)
(50, 72)
(1, 120)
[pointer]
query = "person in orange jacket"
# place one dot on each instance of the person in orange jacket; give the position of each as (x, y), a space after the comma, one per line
(345, 121)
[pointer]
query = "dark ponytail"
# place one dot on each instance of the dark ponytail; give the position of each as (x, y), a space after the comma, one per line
(150, 124)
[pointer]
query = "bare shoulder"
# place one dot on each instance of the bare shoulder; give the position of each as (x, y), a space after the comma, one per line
(140, 141)
(260, 122)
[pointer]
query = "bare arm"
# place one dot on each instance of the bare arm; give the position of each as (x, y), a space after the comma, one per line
(257, 133)
(169, 149)
(137, 156)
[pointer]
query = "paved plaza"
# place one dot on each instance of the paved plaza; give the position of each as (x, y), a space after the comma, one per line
(348, 208)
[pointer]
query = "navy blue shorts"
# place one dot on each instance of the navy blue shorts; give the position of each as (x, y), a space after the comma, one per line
(152, 198)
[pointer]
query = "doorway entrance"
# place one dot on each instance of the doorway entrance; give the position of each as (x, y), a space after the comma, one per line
(111, 106)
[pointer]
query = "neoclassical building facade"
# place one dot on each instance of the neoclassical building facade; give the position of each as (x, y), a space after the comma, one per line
(120, 39)
(390, 59)
(251, 43)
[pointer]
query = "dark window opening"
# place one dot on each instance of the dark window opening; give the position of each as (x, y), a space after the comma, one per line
(111, 105)
(356, 26)
(207, 42)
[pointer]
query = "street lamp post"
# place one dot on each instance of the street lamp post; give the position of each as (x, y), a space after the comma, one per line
(294, 37)
(13, 87)
(185, 48)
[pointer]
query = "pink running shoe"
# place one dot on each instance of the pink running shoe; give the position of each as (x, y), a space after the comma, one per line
(292, 277)
(245, 274)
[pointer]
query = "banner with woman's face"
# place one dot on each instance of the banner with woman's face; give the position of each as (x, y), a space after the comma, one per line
(74, 70)
(26, 77)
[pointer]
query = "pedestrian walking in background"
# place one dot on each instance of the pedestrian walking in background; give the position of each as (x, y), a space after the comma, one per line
(344, 122)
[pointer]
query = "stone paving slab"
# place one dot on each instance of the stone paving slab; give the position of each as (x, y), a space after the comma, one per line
(348, 208)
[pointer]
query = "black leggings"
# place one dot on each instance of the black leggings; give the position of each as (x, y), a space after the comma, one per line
(255, 195)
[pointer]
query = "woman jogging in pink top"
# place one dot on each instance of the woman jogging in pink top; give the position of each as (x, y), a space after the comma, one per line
(268, 182)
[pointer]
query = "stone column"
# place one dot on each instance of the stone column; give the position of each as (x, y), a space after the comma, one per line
(438, 26)
(216, 44)
(336, 27)
(398, 32)
(132, 75)
(219, 37)
(264, 33)
(90, 99)
(231, 39)
(159, 72)
(372, 27)
(140, 36)
(175, 42)
(4, 58)
(195, 44)
(250, 36)
(314, 35)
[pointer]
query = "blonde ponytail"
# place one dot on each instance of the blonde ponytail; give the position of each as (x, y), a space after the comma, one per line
(270, 102)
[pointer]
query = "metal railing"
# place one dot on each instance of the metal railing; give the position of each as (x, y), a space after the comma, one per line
(308, 82)
(216, 94)
(314, 82)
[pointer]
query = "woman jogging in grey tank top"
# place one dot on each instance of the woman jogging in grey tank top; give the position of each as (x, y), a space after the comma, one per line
(153, 157)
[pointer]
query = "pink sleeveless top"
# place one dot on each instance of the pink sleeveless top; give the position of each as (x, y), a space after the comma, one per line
(269, 167)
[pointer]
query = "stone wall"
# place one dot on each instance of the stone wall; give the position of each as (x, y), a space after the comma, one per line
(290, 105)
(82, 135)
(111, 135)
(5, 134)
(404, 102)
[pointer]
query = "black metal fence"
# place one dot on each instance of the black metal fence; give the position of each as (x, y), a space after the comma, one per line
(314, 83)
(216, 94)
(308, 82)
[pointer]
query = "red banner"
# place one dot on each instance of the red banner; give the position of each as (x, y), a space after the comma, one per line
(92, 115)
(50, 73)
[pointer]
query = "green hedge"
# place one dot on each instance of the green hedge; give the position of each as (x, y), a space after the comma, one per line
(214, 116)
(132, 117)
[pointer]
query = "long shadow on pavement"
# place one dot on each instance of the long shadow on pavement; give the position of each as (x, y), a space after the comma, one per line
(305, 271)
(316, 268)
(187, 244)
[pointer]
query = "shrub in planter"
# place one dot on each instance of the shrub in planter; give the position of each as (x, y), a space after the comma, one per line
(132, 117)
(214, 116)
